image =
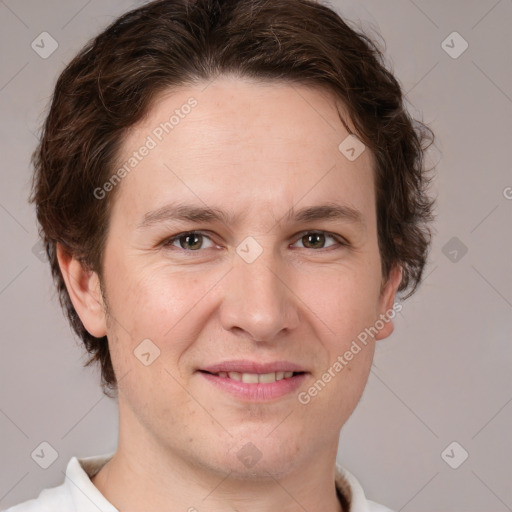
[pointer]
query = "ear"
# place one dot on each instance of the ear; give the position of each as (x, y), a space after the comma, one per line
(83, 286)
(386, 301)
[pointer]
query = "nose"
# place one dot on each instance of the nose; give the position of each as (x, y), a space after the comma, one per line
(257, 299)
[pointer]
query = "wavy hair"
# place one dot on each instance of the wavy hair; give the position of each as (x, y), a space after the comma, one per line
(111, 84)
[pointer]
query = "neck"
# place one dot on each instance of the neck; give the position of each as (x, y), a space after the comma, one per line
(130, 485)
(142, 475)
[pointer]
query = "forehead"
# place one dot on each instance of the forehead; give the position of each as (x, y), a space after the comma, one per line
(268, 142)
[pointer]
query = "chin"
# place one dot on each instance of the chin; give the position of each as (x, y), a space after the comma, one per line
(269, 467)
(262, 456)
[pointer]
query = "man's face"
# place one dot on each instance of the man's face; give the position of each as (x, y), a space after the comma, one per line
(263, 286)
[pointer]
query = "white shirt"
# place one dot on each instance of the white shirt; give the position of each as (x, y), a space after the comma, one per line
(79, 494)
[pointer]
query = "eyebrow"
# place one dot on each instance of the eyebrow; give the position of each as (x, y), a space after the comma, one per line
(197, 214)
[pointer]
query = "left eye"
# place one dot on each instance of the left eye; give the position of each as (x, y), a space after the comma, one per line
(315, 238)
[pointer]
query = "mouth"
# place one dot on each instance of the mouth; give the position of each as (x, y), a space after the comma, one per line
(255, 382)
(255, 378)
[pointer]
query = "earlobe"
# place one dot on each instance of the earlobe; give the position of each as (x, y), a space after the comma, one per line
(83, 286)
(387, 300)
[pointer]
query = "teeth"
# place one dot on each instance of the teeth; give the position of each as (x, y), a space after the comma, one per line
(255, 378)
(250, 378)
(266, 377)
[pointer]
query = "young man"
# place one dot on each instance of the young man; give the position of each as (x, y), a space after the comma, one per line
(231, 196)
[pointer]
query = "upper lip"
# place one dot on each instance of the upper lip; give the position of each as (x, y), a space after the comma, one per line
(246, 366)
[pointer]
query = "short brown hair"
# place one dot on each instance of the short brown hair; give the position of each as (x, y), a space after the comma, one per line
(109, 86)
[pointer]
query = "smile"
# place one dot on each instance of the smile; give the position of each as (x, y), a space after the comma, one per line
(252, 381)
(256, 378)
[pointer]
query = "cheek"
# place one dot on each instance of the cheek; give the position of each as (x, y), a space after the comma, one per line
(340, 383)
(165, 307)
(147, 368)
(344, 306)
(344, 300)
(155, 299)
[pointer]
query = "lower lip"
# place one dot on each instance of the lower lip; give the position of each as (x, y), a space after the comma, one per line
(257, 392)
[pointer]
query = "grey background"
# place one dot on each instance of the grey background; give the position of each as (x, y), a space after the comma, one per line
(443, 376)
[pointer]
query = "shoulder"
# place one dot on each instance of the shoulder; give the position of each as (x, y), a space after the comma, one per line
(55, 498)
(350, 487)
(377, 507)
(77, 492)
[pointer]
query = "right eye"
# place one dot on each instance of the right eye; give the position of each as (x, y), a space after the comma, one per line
(189, 241)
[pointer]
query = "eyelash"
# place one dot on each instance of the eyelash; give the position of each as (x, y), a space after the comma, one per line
(340, 241)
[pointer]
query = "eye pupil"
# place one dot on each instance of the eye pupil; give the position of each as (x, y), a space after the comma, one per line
(310, 237)
(194, 236)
